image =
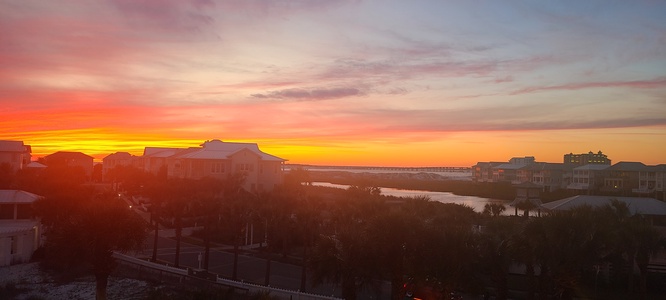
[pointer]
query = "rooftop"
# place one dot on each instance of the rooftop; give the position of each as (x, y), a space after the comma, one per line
(13, 146)
(17, 196)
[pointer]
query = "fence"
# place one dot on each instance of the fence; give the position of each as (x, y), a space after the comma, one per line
(181, 275)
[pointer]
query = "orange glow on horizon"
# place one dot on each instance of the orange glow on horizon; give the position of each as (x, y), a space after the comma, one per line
(456, 149)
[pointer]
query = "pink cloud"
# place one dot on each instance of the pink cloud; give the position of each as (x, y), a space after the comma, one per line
(635, 84)
(312, 94)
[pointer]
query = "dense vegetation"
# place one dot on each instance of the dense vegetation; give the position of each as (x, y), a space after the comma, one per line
(358, 237)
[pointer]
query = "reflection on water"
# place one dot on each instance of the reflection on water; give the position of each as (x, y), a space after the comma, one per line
(474, 202)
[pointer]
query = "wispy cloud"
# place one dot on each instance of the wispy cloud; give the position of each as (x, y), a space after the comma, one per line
(633, 84)
(311, 94)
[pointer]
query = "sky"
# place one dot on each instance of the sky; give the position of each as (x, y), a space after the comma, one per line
(338, 82)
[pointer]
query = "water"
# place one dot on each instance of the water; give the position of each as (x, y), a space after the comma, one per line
(477, 203)
(453, 174)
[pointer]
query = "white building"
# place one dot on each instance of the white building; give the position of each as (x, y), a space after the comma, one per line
(587, 177)
(15, 154)
(218, 159)
(20, 232)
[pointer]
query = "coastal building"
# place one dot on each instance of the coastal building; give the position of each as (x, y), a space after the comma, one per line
(586, 173)
(623, 177)
(508, 172)
(215, 158)
(71, 160)
(15, 154)
(20, 232)
(660, 181)
(117, 159)
(154, 159)
(551, 176)
(588, 178)
(483, 171)
(586, 158)
(218, 159)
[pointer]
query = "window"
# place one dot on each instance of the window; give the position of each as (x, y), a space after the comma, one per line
(23, 211)
(7, 211)
(246, 167)
(217, 168)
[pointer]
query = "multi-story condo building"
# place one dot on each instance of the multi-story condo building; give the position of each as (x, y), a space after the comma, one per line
(509, 171)
(587, 178)
(623, 177)
(483, 171)
(660, 182)
(119, 159)
(651, 180)
(586, 158)
(549, 175)
(217, 159)
(15, 154)
(587, 173)
(154, 159)
(71, 159)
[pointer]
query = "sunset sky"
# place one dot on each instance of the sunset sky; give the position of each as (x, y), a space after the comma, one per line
(398, 83)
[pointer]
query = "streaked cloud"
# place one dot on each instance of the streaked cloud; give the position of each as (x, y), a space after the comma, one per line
(313, 94)
(327, 75)
(634, 84)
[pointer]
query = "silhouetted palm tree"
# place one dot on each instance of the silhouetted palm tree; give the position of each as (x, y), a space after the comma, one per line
(89, 232)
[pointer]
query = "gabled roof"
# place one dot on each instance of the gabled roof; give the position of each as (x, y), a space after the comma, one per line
(657, 168)
(36, 165)
(546, 166)
(17, 196)
(118, 155)
(508, 166)
(488, 164)
(217, 149)
(67, 155)
(642, 206)
(13, 146)
(628, 166)
(592, 167)
(160, 152)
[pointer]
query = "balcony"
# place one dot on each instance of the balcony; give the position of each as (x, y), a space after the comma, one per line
(642, 190)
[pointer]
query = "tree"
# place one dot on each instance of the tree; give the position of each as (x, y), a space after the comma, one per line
(634, 239)
(495, 252)
(345, 259)
(87, 230)
(493, 209)
(171, 200)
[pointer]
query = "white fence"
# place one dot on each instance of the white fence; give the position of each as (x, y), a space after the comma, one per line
(252, 288)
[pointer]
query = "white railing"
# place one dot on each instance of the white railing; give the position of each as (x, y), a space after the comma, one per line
(252, 288)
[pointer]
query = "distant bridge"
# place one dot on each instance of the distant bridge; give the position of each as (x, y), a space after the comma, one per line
(374, 168)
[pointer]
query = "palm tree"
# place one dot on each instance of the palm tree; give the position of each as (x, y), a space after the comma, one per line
(345, 258)
(495, 250)
(90, 233)
(648, 241)
(209, 201)
(493, 209)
